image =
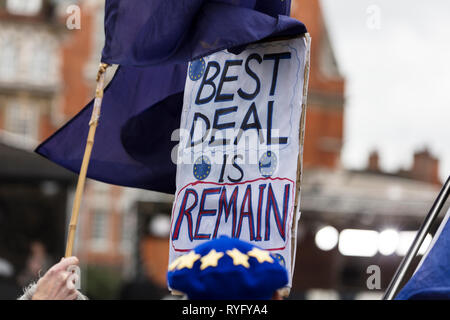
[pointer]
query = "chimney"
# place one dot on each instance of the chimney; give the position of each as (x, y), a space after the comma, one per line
(425, 167)
(373, 165)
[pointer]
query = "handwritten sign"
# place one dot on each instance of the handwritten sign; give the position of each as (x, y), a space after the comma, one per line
(238, 155)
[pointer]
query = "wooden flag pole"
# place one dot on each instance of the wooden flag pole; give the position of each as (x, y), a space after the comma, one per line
(285, 292)
(87, 156)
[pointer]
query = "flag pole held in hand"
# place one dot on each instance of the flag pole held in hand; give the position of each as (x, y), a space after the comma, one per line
(415, 246)
(87, 156)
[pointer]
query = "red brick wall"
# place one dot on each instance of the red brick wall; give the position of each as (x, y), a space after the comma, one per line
(425, 168)
(324, 119)
(323, 137)
(76, 53)
(155, 254)
(45, 126)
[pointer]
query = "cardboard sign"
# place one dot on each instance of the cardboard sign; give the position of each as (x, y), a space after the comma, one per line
(240, 139)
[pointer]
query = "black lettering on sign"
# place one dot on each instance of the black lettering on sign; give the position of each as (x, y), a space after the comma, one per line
(237, 156)
(242, 93)
(208, 81)
(221, 97)
(276, 140)
(252, 125)
(221, 126)
(276, 57)
(208, 126)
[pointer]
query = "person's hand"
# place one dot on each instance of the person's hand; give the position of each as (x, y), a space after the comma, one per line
(56, 284)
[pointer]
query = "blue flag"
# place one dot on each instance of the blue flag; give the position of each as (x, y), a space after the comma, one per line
(153, 41)
(431, 281)
(143, 32)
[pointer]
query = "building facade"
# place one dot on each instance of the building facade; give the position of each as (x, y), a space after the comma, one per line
(351, 221)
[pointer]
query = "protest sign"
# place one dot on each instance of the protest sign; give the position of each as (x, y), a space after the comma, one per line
(239, 155)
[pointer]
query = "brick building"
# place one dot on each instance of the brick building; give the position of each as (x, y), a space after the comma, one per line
(47, 74)
(33, 191)
(340, 200)
(325, 115)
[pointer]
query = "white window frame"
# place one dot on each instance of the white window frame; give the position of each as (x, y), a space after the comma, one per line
(99, 242)
(9, 58)
(26, 112)
(24, 7)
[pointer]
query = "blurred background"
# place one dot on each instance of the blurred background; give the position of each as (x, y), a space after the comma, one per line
(375, 153)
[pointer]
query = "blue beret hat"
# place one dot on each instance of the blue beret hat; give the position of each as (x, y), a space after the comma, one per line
(227, 269)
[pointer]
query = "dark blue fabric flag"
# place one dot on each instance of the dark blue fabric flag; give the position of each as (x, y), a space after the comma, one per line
(143, 32)
(153, 42)
(431, 281)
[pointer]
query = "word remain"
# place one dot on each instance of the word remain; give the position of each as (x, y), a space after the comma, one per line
(221, 210)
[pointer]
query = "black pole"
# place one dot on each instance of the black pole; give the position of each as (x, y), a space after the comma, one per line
(415, 246)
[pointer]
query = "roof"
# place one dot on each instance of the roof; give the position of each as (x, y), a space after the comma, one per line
(353, 192)
(16, 164)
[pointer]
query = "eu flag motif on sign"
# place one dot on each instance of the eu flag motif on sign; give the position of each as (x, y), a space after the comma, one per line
(153, 41)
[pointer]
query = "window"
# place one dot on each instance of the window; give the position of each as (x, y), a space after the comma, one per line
(22, 119)
(99, 231)
(24, 7)
(8, 59)
(40, 66)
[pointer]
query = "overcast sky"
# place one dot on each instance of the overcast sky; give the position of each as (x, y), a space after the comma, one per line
(395, 56)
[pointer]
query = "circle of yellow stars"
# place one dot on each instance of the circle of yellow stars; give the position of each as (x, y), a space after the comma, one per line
(196, 74)
(212, 258)
(202, 161)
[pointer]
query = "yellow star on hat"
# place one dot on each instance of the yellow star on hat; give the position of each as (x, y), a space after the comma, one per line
(238, 257)
(188, 260)
(211, 259)
(174, 264)
(260, 255)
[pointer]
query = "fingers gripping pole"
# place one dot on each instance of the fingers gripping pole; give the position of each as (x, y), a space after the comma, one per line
(87, 156)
